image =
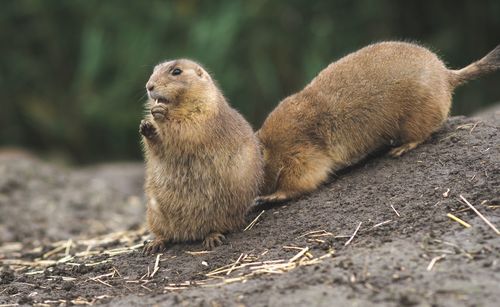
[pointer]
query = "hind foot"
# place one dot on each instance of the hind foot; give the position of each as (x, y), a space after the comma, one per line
(213, 240)
(276, 197)
(155, 246)
(399, 151)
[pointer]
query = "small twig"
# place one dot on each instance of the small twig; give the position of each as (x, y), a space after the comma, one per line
(397, 213)
(146, 275)
(447, 193)
(157, 265)
(117, 272)
(316, 240)
(68, 247)
(326, 234)
(381, 223)
(480, 215)
(102, 282)
(65, 278)
(198, 253)
(355, 232)
(225, 268)
(103, 275)
(315, 233)
(433, 262)
(474, 127)
(54, 251)
(299, 254)
(254, 221)
(234, 264)
(456, 219)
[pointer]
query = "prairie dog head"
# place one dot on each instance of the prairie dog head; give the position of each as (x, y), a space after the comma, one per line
(180, 88)
(272, 165)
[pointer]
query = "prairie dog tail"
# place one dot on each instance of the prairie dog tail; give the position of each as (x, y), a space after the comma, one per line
(489, 63)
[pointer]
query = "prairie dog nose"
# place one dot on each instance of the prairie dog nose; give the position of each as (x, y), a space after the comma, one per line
(150, 86)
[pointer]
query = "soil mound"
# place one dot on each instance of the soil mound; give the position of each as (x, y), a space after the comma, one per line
(378, 233)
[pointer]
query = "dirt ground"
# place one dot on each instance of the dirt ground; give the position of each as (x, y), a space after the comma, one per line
(74, 236)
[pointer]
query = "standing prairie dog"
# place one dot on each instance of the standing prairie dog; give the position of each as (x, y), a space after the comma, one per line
(389, 91)
(203, 164)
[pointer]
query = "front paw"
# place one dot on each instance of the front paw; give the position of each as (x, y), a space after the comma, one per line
(159, 112)
(147, 129)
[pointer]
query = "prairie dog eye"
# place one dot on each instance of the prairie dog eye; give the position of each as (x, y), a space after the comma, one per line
(176, 72)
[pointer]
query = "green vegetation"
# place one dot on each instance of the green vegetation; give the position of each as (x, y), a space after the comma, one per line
(72, 73)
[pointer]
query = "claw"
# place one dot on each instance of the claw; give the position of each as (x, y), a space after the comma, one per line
(213, 240)
(153, 247)
(260, 201)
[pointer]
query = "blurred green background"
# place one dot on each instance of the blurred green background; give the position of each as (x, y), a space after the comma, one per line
(72, 73)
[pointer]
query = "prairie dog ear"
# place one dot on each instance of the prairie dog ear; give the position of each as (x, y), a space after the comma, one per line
(199, 71)
(202, 73)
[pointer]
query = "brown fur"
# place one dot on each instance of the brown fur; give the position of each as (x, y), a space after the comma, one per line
(203, 165)
(384, 93)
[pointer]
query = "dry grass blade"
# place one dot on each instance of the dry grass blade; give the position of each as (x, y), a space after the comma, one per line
(326, 234)
(254, 221)
(11, 247)
(381, 223)
(480, 215)
(226, 268)
(234, 264)
(37, 263)
(170, 288)
(65, 278)
(353, 235)
(433, 262)
(469, 125)
(198, 253)
(102, 282)
(157, 265)
(316, 233)
(272, 268)
(397, 213)
(299, 254)
(219, 270)
(68, 247)
(54, 251)
(456, 219)
(97, 263)
(34, 272)
(312, 240)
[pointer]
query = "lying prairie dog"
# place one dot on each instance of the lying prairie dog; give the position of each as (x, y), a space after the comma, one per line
(385, 92)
